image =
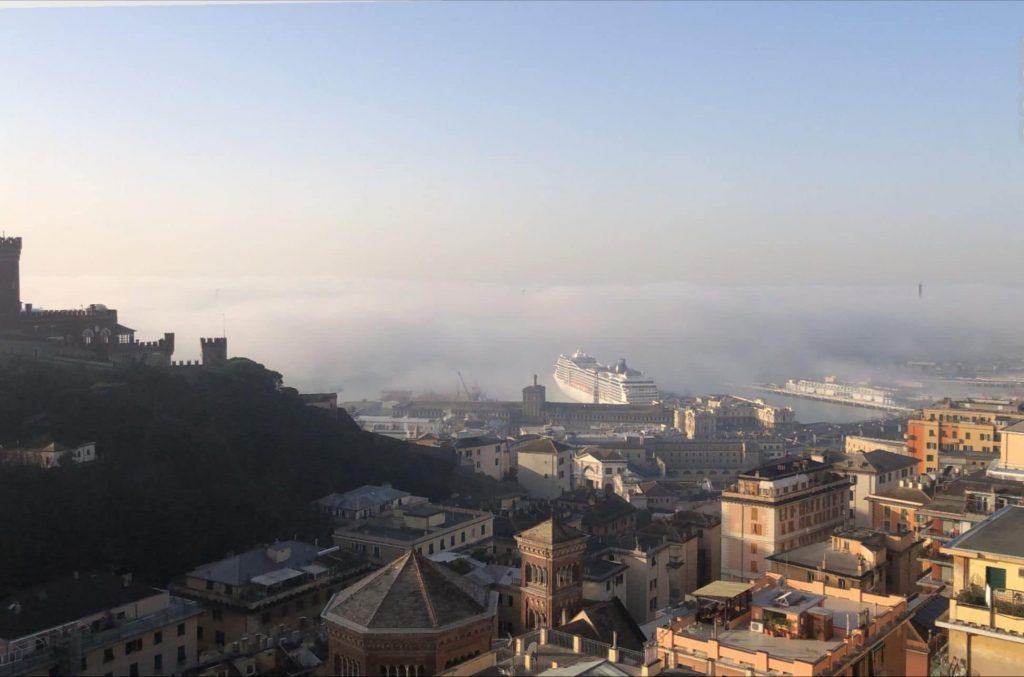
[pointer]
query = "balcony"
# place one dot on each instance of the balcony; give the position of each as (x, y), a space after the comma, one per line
(1005, 616)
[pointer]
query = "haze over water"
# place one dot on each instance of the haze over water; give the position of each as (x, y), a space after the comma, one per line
(360, 337)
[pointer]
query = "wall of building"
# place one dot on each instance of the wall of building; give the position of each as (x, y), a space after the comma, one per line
(753, 530)
(545, 475)
(145, 658)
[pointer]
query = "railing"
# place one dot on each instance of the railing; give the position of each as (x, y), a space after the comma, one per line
(632, 658)
(56, 646)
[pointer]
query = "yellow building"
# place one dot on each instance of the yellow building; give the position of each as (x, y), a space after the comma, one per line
(97, 624)
(986, 614)
(963, 432)
(778, 507)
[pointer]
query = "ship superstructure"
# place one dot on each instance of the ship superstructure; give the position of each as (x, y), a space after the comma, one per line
(584, 379)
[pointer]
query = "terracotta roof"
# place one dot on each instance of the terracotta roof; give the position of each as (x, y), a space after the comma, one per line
(550, 531)
(544, 445)
(411, 592)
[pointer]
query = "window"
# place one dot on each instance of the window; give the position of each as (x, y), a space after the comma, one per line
(265, 617)
(753, 548)
(753, 514)
(181, 655)
(199, 633)
(462, 537)
(133, 670)
(753, 566)
(133, 646)
(496, 461)
(653, 585)
(181, 629)
(158, 637)
(219, 638)
(842, 583)
(85, 665)
(218, 615)
(756, 529)
(483, 529)
(653, 606)
(209, 585)
(158, 662)
(430, 548)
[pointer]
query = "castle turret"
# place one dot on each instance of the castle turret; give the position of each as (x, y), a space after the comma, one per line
(215, 351)
(533, 400)
(10, 282)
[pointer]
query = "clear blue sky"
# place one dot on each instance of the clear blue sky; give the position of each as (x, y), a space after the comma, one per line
(556, 142)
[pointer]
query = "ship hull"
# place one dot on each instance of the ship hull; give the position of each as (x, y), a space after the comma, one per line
(574, 394)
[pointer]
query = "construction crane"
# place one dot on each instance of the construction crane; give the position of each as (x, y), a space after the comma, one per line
(464, 388)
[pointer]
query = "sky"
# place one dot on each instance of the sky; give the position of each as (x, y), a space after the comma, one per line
(433, 167)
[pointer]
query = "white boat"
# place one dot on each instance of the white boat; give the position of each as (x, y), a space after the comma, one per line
(582, 378)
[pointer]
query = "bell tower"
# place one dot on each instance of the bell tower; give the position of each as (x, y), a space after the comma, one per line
(552, 573)
(10, 282)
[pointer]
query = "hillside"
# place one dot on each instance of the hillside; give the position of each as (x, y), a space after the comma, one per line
(190, 469)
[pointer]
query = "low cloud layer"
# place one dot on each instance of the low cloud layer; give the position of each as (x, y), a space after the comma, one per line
(362, 337)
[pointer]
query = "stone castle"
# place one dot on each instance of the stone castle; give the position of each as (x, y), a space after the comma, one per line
(92, 335)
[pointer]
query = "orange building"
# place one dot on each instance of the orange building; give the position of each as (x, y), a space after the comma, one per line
(964, 432)
(781, 626)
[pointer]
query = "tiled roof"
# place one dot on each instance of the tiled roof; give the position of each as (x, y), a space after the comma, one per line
(1002, 533)
(409, 593)
(241, 569)
(366, 496)
(605, 622)
(550, 531)
(544, 445)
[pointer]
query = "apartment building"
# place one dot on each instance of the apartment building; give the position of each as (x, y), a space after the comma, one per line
(425, 528)
(544, 467)
(647, 559)
(962, 432)
(97, 624)
(265, 592)
(778, 507)
(854, 443)
(985, 621)
(778, 625)
(365, 501)
(720, 460)
(51, 455)
(872, 472)
(856, 559)
(596, 468)
(486, 454)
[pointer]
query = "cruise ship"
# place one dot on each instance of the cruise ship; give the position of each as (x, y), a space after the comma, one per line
(582, 378)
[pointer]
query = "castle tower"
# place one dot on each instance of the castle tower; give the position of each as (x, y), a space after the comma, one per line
(215, 351)
(552, 573)
(10, 282)
(533, 400)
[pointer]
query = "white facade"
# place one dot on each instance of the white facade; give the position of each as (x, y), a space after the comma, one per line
(597, 468)
(401, 428)
(488, 455)
(841, 391)
(544, 468)
(582, 378)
